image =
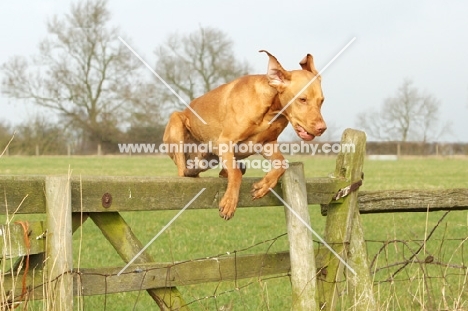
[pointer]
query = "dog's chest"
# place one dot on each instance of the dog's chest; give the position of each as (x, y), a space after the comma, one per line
(268, 130)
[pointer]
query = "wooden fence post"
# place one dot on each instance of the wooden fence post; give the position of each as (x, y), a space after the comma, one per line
(344, 233)
(127, 245)
(301, 247)
(59, 257)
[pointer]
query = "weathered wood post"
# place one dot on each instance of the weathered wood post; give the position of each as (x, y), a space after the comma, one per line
(59, 257)
(301, 247)
(120, 235)
(344, 233)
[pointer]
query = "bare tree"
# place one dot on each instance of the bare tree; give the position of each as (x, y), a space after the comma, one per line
(410, 115)
(375, 125)
(40, 134)
(194, 64)
(148, 120)
(82, 72)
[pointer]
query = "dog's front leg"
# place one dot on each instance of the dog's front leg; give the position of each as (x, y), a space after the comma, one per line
(228, 203)
(278, 166)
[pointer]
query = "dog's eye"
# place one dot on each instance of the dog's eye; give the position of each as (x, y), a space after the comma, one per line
(303, 100)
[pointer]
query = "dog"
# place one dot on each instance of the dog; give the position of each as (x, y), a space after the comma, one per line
(253, 109)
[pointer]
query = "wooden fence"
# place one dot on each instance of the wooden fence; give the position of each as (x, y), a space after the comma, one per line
(317, 276)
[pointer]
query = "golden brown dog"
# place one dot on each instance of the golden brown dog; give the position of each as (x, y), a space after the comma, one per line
(241, 112)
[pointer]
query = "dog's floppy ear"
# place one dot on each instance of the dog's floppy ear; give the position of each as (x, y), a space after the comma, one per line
(307, 63)
(278, 77)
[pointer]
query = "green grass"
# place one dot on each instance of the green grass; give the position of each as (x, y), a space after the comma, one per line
(202, 233)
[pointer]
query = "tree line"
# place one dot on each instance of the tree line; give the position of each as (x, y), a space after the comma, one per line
(94, 91)
(98, 92)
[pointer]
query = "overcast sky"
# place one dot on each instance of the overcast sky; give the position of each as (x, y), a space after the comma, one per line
(425, 41)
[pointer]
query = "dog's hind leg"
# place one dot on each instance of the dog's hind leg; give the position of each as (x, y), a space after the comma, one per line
(174, 137)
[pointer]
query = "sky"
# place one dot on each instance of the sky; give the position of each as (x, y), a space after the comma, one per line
(425, 41)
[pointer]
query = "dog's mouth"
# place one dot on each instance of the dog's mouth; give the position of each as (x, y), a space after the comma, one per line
(302, 133)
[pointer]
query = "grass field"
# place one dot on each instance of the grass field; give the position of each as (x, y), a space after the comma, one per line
(202, 233)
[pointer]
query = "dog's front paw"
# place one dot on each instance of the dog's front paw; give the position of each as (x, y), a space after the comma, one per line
(227, 207)
(261, 188)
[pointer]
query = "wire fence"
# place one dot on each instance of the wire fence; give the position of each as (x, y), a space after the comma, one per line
(426, 273)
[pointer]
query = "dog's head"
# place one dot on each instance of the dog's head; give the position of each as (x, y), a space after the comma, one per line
(300, 95)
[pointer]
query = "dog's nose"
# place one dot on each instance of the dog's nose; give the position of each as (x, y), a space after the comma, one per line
(321, 127)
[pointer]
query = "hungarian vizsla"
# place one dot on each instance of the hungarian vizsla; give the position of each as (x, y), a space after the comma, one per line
(251, 110)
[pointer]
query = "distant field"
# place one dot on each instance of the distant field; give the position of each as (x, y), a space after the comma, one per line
(202, 233)
(407, 173)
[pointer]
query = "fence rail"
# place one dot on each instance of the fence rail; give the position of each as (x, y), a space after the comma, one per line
(101, 281)
(25, 195)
